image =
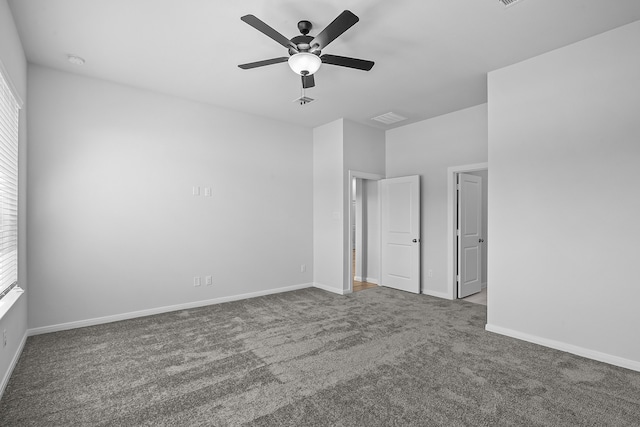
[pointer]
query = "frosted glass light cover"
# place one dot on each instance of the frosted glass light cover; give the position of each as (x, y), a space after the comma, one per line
(304, 61)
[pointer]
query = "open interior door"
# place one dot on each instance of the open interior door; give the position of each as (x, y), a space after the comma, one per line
(469, 234)
(400, 233)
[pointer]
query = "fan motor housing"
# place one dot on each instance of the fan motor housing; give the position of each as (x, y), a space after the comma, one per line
(304, 44)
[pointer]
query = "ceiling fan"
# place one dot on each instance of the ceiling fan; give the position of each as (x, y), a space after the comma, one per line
(305, 51)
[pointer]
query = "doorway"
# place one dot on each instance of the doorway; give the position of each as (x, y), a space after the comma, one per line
(480, 170)
(364, 231)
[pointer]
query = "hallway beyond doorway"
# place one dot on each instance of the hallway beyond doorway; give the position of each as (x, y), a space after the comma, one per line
(357, 285)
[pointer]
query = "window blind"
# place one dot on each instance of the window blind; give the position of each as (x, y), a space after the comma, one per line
(9, 114)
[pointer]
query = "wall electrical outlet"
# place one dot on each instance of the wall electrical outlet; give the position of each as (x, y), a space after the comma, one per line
(209, 280)
(207, 191)
(430, 273)
(196, 281)
(4, 338)
(196, 190)
(303, 268)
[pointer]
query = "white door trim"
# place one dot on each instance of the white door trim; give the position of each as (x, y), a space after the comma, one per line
(452, 171)
(347, 284)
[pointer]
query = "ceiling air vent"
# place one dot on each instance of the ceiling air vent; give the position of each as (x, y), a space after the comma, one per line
(304, 100)
(389, 118)
(508, 3)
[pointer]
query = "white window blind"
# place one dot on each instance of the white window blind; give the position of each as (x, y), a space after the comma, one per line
(9, 114)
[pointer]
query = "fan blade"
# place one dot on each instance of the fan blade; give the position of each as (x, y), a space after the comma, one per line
(268, 31)
(342, 23)
(343, 61)
(308, 81)
(263, 63)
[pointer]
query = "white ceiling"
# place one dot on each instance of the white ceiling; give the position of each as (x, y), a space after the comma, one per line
(431, 56)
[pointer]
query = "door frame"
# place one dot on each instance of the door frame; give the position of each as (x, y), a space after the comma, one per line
(348, 279)
(452, 202)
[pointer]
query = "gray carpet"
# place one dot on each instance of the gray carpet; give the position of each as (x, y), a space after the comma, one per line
(308, 357)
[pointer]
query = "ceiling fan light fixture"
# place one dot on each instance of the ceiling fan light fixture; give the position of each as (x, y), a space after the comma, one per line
(305, 63)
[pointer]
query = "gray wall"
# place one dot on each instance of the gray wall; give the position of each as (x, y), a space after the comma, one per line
(563, 208)
(428, 148)
(364, 151)
(372, 201)
(113, 225)
(338, 147)
(367, 232)
(328, 206)
(14, 66)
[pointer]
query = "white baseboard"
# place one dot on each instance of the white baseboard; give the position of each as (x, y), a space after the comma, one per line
(14, 362)
(569, 348)
(358, 279)
(444, 295)
(330, 288)
(159, 310)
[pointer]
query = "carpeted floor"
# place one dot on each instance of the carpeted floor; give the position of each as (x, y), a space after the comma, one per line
(308, 357)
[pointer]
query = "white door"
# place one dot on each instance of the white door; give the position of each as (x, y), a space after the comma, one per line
(469, 234)
(400, 229)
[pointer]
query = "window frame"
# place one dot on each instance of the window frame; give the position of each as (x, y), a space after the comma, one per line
(10, 106)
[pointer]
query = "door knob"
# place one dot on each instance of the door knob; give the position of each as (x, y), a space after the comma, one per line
(480, 240)
(416, 240)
